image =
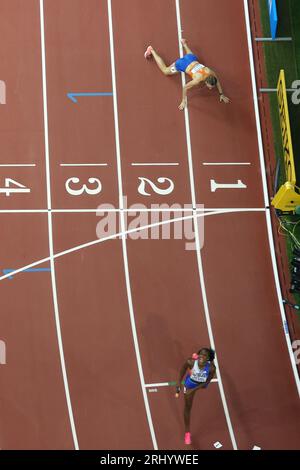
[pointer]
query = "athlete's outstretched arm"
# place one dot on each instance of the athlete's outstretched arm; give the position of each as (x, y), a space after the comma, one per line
(223, 98)
(185, 89)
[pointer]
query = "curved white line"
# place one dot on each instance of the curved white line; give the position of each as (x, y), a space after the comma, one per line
(117, 235)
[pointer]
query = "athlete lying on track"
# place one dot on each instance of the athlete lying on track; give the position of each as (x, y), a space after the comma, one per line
(200, 370)
(189, 64)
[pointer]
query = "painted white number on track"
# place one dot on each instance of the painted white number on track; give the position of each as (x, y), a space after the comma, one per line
(84, 188)
(154, 187)
(214, 185)
(8, 189)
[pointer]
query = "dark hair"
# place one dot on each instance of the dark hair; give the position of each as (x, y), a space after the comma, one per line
(211, 80)
(211, 353)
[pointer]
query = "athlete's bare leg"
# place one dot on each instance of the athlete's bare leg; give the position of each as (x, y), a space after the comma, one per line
(188, 402)
(165, 69)
(186, 47)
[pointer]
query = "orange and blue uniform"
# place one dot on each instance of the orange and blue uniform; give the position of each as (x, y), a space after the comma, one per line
(182, 64)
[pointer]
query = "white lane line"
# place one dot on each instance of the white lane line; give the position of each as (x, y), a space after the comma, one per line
(272, 39)
(154, 164)
(121, 203)
(167, 384)
(17, 165)
(83, 164)
(256, 107)
(235, 209)
(110, 237)
(266, 197)
(198, 247)
(50, 234)
(274, 90)
(226, 163)
(23, 211)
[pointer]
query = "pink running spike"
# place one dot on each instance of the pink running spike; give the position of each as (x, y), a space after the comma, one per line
(195, 356)
(187, 438)
(148, 52)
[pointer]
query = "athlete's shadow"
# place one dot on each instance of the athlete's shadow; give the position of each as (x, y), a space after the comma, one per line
(243, 414)
(236, 114)
(164, 358)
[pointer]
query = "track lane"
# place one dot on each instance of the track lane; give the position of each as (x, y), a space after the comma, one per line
(122, 66)
(95, 423)
(171, 325)
(142, 92)
(227, 132)
(77, 54)
(103, 375)
(21, 118)
(258, 378)
(246, 426)
(31, 417)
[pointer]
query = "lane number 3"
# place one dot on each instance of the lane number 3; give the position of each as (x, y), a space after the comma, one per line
(94, 187)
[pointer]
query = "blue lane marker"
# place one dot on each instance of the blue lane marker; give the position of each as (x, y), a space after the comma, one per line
(73, 96)
(30, 270)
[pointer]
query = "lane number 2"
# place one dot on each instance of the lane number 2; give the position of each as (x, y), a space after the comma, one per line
(161, 180)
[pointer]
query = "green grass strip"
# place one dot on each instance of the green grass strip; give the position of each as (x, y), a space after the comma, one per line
(284, 55)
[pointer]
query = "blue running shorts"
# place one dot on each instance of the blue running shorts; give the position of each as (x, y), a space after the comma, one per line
(184, 62)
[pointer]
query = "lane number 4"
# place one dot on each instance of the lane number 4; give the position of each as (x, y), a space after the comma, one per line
(11, 186)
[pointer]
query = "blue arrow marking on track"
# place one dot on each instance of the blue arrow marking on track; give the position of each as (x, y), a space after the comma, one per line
(73, 96)
(30, 270)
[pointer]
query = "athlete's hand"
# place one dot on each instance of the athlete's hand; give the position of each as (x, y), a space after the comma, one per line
(183, 41)
(182, 105)
(224, 99)
(177, 391)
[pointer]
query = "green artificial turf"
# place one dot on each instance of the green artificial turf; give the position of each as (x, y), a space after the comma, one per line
(284, 55)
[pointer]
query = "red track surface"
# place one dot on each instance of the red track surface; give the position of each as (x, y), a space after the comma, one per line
(169, 306)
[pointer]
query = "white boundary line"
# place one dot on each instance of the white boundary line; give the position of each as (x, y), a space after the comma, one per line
(51, 257)
(274, 90)
(17, 165)
(121, 199)
(167, 384)
(154, 164)
(198, 248)
(266, 198)
(227, 163)
(83, 164)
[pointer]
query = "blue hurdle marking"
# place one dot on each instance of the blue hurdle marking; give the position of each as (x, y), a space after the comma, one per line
(30, 270)
(73, 96)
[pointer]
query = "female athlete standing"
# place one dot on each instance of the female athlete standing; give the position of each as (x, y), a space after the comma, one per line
(200, 370)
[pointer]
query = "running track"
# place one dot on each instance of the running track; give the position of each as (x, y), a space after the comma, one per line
(87, 336)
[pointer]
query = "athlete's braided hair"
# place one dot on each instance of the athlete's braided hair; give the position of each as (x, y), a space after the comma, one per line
(211, 353)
